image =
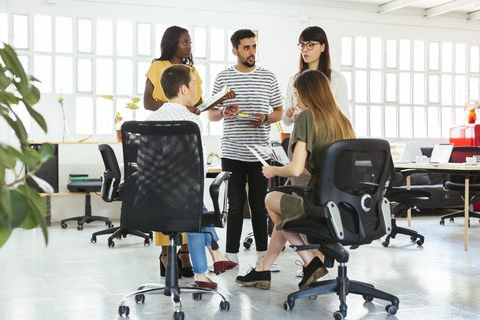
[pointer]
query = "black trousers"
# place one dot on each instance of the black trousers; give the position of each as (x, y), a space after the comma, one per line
(237, 196)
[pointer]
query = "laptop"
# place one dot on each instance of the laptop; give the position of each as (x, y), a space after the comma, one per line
(405, 152)
(441, 153)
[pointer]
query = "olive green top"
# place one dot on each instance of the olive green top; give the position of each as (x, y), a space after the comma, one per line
(304, 130)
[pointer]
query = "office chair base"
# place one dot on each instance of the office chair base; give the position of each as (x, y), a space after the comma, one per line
(119, 232)
(414, 235)
(86, 219)
(459, 214)
(155, 288)
(342, 286)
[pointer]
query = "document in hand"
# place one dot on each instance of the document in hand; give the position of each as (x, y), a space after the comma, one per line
(276, 153)
(243, 116)
(216, 99)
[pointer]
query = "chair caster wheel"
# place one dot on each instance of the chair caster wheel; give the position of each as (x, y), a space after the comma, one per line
(420, 242)
(224, 305)
(385, 243)
(288, 305)
(64, 225)
(140, 298)
(123, 310)
(93, 239)
(79, 227)
(391, 309)
(367, 298)
(197, 296)
(246, 245)
(442, 222)
(452, 220)
(338, 315)
(111, 243)
(179, 316)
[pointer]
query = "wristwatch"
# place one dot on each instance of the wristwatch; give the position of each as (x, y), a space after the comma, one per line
(266, 119)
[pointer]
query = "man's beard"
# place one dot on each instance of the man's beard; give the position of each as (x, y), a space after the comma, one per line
(248, 64)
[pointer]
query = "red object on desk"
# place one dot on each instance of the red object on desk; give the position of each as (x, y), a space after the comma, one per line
(472, 116)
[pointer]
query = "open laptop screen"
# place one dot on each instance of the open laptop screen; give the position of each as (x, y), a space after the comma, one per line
(441, 153)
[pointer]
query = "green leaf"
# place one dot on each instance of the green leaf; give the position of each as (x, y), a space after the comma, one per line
(6, 157)
(8, 98)
(4, 234)
(13, 64)
(37, 209)
(14, 210)
(32, 97)
(38, 118)
(18, 127)
(46, 152)
(4, 81)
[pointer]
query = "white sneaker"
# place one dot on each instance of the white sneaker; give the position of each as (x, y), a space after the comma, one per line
(231, 256)
(260, 255)
(299, 273)
(211, 269)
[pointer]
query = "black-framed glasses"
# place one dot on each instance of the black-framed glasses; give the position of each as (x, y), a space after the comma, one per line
(308, 45)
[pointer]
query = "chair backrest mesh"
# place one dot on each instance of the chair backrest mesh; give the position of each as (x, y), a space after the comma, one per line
(355, 176)
(164, 177)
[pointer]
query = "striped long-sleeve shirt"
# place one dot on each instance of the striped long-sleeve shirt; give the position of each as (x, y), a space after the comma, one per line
(256, 92)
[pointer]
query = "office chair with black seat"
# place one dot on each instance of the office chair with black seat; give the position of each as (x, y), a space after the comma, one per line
(349, 209)
(403, 200)
(456, 182)
(111, 191)
(163, 191)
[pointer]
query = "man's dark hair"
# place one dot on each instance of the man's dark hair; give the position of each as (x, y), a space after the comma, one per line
(173, 78)
(239, 35)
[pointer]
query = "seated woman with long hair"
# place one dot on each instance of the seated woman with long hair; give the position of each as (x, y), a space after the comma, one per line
(319, 124)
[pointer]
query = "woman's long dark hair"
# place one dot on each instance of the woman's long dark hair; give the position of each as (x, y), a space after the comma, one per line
(169, 44)
(317, 34)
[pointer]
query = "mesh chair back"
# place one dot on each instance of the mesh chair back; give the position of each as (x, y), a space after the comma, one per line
(459, 155)
(163, 188)
(354, 178)
(111, 176)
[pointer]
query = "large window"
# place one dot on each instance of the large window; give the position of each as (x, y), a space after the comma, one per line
(409, 88)
(89, 58)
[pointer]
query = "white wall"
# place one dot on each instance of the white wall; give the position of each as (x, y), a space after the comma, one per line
(278, 24)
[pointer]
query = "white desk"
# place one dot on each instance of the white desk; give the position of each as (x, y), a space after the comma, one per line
(447, 168)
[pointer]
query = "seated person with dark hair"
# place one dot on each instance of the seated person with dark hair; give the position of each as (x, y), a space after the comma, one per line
(178, 84)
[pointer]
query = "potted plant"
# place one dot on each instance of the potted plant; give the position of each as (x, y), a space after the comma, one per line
(20, 205)
(211, 156)
(118, 117)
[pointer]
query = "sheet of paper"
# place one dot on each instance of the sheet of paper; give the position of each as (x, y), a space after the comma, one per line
(258, 156)
(276, 153)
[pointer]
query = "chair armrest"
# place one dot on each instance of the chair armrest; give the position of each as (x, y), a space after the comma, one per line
(405, 173)
(220, 216)
(304, 192)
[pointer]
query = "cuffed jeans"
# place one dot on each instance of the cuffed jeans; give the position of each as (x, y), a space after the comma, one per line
(196, 245)
(237, 196)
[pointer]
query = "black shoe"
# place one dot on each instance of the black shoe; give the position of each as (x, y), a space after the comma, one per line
(315, 269)
(259, 279)
(186, 271)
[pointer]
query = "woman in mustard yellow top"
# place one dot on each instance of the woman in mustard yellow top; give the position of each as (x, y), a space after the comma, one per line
(176, 47)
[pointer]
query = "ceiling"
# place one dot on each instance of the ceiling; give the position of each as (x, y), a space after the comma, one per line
(467, 9)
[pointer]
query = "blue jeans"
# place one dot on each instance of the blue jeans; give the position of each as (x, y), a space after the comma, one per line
(196, 245)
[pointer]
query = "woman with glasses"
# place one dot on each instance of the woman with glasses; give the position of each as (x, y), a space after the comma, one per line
(315, 54)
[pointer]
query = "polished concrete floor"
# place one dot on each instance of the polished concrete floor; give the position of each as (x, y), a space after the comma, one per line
(72, 278)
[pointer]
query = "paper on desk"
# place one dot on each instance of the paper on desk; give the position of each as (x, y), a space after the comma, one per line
(258, 156)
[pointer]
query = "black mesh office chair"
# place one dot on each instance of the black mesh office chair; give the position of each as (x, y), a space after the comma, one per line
(163, 191)
(456, 182)
(350, 209)
(403, 200)
(111, 191)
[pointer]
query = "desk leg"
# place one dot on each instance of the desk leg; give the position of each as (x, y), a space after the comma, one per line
(48, 213)
(409, 211)
(467, 206)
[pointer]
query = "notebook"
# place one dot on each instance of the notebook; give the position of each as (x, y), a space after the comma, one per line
(405, 152)
(441, 153)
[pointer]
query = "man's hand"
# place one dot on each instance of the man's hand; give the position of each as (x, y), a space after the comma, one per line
(261, 119)
(230, 111)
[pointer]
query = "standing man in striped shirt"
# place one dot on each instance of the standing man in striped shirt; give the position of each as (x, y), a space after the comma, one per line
(256, 92)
